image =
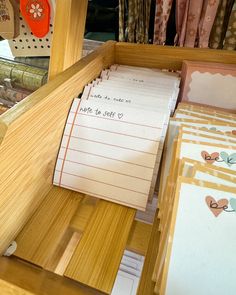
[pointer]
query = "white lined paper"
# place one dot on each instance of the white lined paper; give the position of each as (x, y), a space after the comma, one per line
(113, 151)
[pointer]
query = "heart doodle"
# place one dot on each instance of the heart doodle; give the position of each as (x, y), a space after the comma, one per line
(216, 207)
(233, 204)
(228, 159)
(120, 115)
(210, 158)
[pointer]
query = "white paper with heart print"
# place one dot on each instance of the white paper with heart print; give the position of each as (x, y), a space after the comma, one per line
(219, 155)
(110, 151)
(198, 136)
(205, 176)
(202, 252)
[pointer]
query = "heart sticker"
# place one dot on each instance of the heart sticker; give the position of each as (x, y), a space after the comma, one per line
(210, 158)
(233, 204)
(216, 207)
(228, 159)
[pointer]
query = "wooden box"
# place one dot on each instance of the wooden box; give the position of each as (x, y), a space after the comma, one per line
(30, 135)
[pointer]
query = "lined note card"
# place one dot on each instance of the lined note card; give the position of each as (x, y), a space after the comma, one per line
(114, 136)
(109, 151)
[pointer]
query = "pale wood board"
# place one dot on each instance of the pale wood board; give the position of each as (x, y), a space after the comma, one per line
(69, 26)
(39, 238)
(146, 285)
(83, 214)
(17, 277)
(30, 135)
(139, 234)
(167, 57)
(96, 260)
(139, 237)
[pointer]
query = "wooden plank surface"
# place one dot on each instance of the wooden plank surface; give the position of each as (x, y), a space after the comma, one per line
(41, 235)
(139, 237)
(146, 285)
(20, 278)
(97, 258)
(83, 214)
(10, 289)
(31, 133)
(139, 234)
(69, 26)
(168, 57)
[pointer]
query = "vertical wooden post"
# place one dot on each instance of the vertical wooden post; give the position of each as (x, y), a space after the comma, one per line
(68, 35)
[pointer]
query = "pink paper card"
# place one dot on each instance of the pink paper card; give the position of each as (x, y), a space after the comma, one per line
(212, 84)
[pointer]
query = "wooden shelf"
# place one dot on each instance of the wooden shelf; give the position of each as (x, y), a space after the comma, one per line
(30, 135)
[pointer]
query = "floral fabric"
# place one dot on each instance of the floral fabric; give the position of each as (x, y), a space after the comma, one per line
(163, 8)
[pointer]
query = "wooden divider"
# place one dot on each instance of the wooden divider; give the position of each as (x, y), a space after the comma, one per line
(20, 278)
(44, 231)
(68, 35)
(31, 133)
(167, 57)
(97, 258)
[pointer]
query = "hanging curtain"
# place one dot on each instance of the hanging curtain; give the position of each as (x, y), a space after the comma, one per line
(216, 38)
(208, 15)
(230, 39)
(194, 21)
(163, 8)
(121, 20)
(135, 28)
(180, 19)
(193, 18)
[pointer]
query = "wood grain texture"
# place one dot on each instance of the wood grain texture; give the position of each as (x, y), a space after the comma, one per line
(31, 134)
(139, 234)
(58, 253)
(139, 237)
(41, 235)
(97, 258)
(69, 26)
(20, 278)
(10, 289)
(168, 57)
(146, 285)
(83, 214)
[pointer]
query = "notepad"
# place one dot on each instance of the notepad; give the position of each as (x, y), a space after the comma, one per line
(114, 136)
(200, 253)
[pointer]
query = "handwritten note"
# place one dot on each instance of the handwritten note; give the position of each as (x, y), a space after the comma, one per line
(114, 136)
(109, 151)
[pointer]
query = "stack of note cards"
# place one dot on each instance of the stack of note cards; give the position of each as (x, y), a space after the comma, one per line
(114, 135)
(197, 204)
(129, 274)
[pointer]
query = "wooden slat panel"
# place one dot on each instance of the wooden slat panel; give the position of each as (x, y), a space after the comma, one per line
(31, 133)
(139, 234)
(139, 237)
(97, 258)
(56, 256)
(20, 278)
(10, 289)
(83, 214)
(146, 285)
(43, 232)
(68, 35)
(167, 56)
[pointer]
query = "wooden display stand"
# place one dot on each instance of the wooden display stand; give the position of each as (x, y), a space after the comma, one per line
(43, 218)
